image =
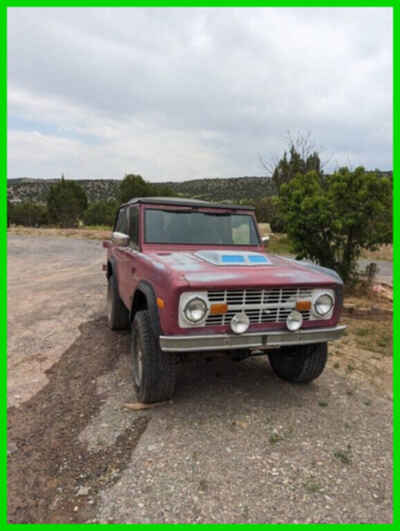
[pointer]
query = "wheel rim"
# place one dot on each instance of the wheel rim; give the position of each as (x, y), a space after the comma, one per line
(137, 363)
(109, 301)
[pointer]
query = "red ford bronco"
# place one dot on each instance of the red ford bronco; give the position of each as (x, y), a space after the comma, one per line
(190, 275)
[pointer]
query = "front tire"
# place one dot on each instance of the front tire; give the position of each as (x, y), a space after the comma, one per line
(154, 371)
(117, 314)
(299, 364)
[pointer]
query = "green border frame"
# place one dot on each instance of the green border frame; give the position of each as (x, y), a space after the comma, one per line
(3, 220)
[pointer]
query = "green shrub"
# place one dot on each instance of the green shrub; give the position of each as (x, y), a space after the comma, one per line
(27, 213)
(329, 221)
(101, 212)
(66, 203)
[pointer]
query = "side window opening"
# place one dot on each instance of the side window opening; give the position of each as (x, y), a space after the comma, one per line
(116, 223)
(134, 226)
(122, 222)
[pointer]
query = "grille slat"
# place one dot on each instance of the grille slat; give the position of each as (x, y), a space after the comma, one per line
(271, 305)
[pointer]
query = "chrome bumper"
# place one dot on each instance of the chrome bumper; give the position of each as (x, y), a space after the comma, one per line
(263, 340)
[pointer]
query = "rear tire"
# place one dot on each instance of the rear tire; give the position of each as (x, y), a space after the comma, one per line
(117, 314)
(154, 371)
(300, 364)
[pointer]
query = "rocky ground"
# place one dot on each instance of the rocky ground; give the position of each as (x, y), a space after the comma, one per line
(235, 445)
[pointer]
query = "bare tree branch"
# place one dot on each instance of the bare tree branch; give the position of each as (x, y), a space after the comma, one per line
(304, 145)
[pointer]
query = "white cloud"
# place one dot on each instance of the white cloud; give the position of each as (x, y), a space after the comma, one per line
(186, 93)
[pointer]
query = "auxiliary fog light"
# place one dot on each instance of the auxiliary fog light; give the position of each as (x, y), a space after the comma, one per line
(294, 321)
(240, 323)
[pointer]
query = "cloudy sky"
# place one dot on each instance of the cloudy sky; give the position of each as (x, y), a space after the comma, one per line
(178, 94)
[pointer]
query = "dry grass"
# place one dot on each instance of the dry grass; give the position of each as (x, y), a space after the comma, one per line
(372, 335)
(264, 228)
(280, 244)
(385, 252)
(90, 233)
(365, 354)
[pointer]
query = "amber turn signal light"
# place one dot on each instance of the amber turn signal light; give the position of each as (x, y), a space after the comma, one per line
(217, 309)
(160, 303)
(303, 306)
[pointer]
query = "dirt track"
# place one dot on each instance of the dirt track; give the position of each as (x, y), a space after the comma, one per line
(236, 444)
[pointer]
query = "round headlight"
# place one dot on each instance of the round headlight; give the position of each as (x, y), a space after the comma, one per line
(323, 305)
(240, 323)
(195, 310)
(294, 321)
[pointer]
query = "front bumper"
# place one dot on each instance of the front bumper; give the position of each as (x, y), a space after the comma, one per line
(263, 340)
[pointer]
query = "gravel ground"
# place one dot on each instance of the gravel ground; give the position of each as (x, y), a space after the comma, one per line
(54, 285)
(238, 445)
(235, 445)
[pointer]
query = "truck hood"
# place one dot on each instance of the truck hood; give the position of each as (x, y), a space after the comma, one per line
(221, 269)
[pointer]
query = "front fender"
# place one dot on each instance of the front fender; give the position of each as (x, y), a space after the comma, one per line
(147, 290)
(327, 271)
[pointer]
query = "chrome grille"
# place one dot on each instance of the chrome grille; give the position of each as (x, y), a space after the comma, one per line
(271, 305)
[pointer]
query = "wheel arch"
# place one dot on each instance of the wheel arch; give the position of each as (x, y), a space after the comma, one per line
(111, 268)
(145, 298)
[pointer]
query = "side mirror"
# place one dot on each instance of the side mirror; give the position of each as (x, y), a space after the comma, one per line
(120, 239)
(265, 240)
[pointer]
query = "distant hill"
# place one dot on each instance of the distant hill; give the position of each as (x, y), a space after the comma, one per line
(217, 189)
(232, 189)
(26, 189)
(223, 189)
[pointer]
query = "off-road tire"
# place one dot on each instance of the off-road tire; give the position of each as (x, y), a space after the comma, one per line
(117, 314)
(154, 380)
(299, 364)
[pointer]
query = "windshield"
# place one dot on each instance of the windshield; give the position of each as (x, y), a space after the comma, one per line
(163, 226)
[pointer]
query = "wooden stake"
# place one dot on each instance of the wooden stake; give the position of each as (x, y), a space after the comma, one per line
(138, 405)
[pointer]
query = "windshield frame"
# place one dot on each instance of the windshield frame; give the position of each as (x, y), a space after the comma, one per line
(201, 210)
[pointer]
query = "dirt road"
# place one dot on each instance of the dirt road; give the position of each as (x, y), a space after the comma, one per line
(235, 445)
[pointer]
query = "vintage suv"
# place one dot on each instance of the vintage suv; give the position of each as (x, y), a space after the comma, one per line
(190, 275)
